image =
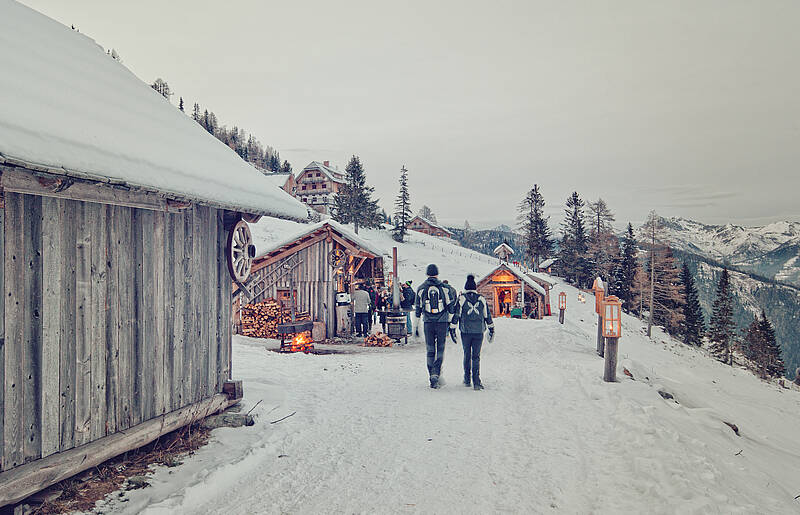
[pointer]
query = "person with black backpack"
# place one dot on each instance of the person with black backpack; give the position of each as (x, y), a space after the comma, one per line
(472, 317)
(437, 301)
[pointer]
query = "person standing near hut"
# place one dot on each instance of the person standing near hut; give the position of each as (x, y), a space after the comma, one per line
(407, 303)
(472, 318)
(437, 301)
(361, 307)
(383, 304)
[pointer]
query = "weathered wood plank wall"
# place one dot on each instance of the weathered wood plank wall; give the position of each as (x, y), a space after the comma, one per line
(111, 316)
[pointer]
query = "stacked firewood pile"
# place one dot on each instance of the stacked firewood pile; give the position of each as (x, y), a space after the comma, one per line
(260, 320)
(378, 339)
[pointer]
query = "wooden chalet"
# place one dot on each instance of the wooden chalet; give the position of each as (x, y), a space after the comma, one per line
(316, 185)
(116, 221)
(323, 259)
(549, 266)
(426, 226)
(509, 282)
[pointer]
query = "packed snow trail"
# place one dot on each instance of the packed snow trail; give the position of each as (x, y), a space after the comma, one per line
(547, 435)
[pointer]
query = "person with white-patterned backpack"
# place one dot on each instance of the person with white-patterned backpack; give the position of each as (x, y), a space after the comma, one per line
(436, 301)
(472, 317)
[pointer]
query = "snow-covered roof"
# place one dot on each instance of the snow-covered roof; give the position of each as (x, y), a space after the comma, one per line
(503, 246)
(543, 277)
(263, 250)
(520, 274)
(547, 262)
(431, 223)
(329, 172)
(71, 109)
(278, 179)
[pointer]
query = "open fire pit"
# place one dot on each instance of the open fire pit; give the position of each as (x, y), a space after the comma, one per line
(396, 325)
(296, 337)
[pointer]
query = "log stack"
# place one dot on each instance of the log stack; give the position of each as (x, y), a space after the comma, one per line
(378, 339)
(260, 320)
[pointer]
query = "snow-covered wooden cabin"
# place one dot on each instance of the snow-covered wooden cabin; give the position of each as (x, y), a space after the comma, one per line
(426, 226)
(319, 260)
(548, 266)
(512, 285)
(117, 208)
(503, 252)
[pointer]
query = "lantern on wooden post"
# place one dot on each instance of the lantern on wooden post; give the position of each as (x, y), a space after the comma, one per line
(599, 294)
(562, 306)
(612, 330)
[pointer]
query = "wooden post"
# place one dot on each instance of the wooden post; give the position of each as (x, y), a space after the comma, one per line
(600, 339)
(561, 316)
(610, 372)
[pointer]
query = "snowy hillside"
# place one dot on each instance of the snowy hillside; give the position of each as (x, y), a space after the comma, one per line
(771, 250)
(547, 435)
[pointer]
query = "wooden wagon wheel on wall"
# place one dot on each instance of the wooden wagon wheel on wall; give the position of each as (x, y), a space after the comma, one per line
(337, 258)
(240, 251)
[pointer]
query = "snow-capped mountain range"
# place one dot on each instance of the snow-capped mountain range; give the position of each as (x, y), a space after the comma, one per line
(770, 251)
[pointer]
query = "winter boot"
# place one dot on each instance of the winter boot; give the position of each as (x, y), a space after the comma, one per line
(477, 387)
(467, 382)
(434, 381)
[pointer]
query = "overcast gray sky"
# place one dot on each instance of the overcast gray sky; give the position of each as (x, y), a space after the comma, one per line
(686, 107)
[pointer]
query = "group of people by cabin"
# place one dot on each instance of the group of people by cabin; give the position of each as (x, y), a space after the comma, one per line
(371, 305)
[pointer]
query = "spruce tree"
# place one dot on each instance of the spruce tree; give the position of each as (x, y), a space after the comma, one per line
(574, 243)
(353, 202)
(180, 104)
(402, 208)
(773, 363)
(625, 271)
(536, 237)
(286, 167)
(721, 329)
(693, 321)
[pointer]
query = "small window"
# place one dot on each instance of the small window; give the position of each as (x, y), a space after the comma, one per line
(305, 199)
(324, 186)
(304, 187)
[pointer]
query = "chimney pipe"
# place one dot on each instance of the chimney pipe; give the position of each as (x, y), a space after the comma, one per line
(326, 163)
(395, 282)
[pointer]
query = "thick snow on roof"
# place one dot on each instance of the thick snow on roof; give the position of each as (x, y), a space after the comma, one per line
(543, 277)
(503, 246)
(264, 247)
(519, 273)
(547, 262)
(329, 172)
(68, 106)
(277, 179)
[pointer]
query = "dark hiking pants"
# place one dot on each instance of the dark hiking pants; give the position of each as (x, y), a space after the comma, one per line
(472, 356)
(361, 324)
(435, 338)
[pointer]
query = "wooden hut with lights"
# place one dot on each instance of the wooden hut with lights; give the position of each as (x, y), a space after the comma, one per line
(509, 285)
(119, 235)
(310, 267)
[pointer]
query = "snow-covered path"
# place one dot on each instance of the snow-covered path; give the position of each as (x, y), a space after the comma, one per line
(547, 435)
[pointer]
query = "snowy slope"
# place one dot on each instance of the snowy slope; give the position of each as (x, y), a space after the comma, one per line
(547, 435)
(69, 107)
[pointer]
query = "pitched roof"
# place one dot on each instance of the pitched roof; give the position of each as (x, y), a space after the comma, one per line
(520, 274)
(71, 109)
(268, 248)
(329, 172)
(278, 179)
(505, 246)
(547, 262)
(432, 224)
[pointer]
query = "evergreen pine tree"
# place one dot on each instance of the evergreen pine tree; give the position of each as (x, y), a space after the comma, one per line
(196, 112)
(180, 104)
(402, 208)
(353, 202)
(536, 236)
(574, 243)
(286, 167)
(721, 329)
(625, 271)
(693, 321)
(773, 363)
(163, 89)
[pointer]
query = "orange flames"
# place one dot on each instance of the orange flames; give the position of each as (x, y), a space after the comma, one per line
(302, 342)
